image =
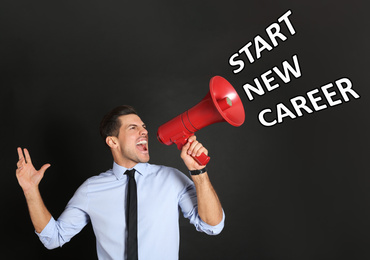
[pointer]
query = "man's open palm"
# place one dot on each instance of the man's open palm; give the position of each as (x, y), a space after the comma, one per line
(28, 177)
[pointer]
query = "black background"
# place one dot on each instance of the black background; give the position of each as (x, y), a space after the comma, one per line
(297, 190)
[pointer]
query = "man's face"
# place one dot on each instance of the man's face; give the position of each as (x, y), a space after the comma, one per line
(132, 141)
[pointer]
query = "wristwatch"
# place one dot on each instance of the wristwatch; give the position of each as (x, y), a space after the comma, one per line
(197, 172)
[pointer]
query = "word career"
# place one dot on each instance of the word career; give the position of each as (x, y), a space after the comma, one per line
(269, 117)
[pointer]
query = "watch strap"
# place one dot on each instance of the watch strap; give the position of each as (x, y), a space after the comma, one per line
(197, 172)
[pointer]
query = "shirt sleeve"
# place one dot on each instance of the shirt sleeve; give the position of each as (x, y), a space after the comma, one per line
(189, 207)
(73, 219)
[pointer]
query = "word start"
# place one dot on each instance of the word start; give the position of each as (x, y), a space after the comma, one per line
(328, 95)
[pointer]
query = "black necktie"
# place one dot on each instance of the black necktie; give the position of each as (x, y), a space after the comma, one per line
(132, 252)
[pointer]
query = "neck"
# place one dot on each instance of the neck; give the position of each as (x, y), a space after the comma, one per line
(124, 162)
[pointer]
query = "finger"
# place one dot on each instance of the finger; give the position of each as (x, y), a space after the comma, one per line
(201, 150)
(187, 145)
(184, 149)
(20, 163)
(44, 167)
(198, 149)
(28, 157)
(192, 138)
(194, 145)
(20, 153)
(190, 147)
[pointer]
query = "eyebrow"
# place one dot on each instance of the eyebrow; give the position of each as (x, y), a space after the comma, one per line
(131, 125)
(143, 125)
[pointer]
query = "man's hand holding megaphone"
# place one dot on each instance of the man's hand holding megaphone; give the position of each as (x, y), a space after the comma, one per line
(192, 149)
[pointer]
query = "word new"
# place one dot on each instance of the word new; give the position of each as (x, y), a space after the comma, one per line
(269, 80)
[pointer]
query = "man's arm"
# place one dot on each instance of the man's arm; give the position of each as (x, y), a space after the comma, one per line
(209, 206)
(29, 179)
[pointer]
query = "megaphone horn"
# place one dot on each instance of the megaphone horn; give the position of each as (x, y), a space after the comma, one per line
(221, 104)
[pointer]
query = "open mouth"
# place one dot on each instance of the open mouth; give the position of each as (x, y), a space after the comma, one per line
(142, 146)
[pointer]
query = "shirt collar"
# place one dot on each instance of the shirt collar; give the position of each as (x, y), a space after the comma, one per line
(119, 170)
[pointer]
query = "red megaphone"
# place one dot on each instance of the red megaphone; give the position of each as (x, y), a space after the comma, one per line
(221, 104)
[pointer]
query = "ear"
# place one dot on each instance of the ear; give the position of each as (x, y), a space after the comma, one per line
(112, 142)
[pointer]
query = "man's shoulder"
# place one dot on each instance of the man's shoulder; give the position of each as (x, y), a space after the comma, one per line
(104, 176)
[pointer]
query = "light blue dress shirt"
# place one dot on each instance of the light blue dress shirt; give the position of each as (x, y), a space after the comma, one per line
(162, 193)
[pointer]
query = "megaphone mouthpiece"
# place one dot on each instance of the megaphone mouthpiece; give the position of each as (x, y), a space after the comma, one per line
(225, 103)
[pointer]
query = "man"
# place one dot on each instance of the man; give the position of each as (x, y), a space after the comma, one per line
(161, 193)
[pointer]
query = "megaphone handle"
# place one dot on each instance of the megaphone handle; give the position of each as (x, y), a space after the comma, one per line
(202, 159)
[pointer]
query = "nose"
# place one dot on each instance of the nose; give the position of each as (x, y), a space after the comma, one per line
(143, 131)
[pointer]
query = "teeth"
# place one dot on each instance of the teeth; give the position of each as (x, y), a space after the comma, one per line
(142, 142)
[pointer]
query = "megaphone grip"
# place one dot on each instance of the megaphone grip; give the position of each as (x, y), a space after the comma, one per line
(202, 159)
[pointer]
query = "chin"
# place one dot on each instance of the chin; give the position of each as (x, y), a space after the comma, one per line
(144, 159)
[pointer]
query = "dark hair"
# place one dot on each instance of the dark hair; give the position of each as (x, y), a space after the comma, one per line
(110, 124)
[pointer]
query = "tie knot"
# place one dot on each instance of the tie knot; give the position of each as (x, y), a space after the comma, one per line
(130, 173)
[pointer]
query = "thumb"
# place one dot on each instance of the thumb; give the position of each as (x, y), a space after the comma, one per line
(44, 167)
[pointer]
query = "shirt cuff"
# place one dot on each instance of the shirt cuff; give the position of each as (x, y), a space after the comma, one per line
(213, 230)
(46, 234)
